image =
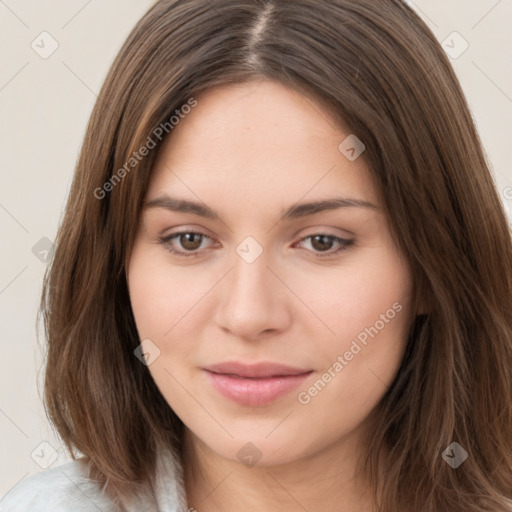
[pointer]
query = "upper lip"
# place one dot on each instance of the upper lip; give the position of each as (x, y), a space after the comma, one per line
(264, 369)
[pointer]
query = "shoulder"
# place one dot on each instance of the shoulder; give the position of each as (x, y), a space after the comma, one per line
(60, 489)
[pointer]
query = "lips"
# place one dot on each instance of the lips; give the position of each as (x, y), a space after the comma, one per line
(256, 384)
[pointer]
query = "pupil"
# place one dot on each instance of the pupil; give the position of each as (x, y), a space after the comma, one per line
(190, 244)
(325, 242)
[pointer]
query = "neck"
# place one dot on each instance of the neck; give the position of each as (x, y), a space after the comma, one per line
(328, 480)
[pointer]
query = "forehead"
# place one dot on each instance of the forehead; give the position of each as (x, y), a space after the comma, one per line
(261, 141)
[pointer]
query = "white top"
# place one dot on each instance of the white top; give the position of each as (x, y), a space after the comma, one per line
(66, 488)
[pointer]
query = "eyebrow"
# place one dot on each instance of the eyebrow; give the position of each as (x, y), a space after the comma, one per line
(293, 212)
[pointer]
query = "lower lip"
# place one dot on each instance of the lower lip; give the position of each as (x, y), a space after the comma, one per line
(254, 392)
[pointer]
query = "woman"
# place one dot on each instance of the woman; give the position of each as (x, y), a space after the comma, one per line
(283, 279)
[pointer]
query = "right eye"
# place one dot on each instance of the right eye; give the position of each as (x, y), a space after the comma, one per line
(190, 241)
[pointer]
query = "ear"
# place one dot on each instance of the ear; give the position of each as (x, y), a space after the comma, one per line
(422, 309)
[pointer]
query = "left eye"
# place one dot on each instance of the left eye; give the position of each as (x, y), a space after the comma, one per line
(191, 241)
(320, 241)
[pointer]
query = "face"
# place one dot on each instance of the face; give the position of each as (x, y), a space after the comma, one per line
(264, 319)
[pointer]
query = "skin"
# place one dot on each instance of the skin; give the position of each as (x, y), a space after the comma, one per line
(248, 152)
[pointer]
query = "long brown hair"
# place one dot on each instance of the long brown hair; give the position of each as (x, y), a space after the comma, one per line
(381, 72)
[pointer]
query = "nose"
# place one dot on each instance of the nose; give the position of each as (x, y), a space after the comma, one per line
(252, 301)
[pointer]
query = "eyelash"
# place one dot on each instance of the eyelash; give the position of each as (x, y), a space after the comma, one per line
(165, 241)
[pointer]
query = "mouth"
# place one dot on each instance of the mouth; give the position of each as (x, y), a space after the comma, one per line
(257, 384)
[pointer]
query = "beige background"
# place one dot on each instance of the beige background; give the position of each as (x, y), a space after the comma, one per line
(44, 108)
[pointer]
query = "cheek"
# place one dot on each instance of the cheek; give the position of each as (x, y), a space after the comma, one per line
(162, 295)
(368, 308)
(356, 296)
(162, 301)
